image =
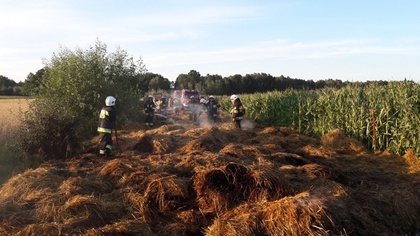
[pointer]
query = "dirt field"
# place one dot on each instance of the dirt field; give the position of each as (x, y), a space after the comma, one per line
(193, 179)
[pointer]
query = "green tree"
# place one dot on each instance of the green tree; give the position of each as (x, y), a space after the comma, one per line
(33, 82)
(188, 81)
(159, 83)
(75, 85)
(6, 86)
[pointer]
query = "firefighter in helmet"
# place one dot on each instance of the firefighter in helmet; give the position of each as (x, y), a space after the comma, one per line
(149, 111)
(107, 118)
(193, 107)
(237, 111)
(212, 109)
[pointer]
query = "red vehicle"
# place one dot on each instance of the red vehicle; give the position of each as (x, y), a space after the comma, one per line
(186, 97)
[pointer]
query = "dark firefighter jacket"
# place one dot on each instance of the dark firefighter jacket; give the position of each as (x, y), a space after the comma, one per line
(212, 108)
(149, 107)
(238, 111)
(107, 118)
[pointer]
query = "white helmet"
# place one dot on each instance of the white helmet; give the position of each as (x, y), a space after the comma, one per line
(211, 96)
(233, 97)
(150, 96)
(110, 101)
(192, 97)
(202, 100)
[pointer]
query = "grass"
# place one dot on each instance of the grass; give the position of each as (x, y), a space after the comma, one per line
(11, 112)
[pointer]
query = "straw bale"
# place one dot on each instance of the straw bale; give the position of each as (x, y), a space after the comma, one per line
(406, 204)
(188, 163)
(244, 223)
(145, 144)
(392, 205)
(234, 149)
(220, 189)
(114, 170)
(90, 211)
(277, 131)
(270, 130)
(214, 139)
(156, 143)
(134, 179)
(245, 219)
(286, 158)
(196, 132)
(337, 140)
(193, 220)
(23, 190)
(162, 145)
(78, 185)
(269, 141)
(412, 161)
(316, 170)
(125, 227)
(227, 126)
(49, 208)
(302, 214)
(166, 193)
(162, 129)
(298, 215)
(269, 185)
(41, 229)
(82, 164)
(212, 187)
(137, 204)
(296, 141)
(206, 143)
(316, 151)
(175, 229)
(246, 153)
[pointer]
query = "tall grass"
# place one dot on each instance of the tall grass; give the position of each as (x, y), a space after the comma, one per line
(381, 117)
(11, 112)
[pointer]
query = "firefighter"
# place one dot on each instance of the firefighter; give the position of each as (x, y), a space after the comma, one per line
(193, 107)
(237, 111)
(107, 118)
(158, 104)
(176, 103)
(149, 111)
(212, 109)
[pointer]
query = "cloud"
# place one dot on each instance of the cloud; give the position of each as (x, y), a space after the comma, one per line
(279, 49)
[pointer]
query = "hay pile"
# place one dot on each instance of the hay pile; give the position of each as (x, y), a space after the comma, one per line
(182, 179)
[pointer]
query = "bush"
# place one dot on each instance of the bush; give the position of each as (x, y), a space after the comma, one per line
(49, 131)
(75, 85)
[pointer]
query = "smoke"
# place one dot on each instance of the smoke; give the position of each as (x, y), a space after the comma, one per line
(203, 121)
(247, 124)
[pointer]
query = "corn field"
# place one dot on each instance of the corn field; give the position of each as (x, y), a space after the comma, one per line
(381, 117)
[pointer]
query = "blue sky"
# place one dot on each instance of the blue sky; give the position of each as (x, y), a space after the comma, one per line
(306, 39)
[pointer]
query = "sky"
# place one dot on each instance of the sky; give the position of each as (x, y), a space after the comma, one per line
(355, 40)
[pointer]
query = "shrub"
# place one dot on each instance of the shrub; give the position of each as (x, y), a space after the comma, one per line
(74, 87)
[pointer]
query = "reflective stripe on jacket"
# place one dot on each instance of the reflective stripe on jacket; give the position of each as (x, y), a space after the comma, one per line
(149, 106)
(237, 111)
(107, 117)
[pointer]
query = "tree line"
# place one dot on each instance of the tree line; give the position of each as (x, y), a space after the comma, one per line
(207, 84)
